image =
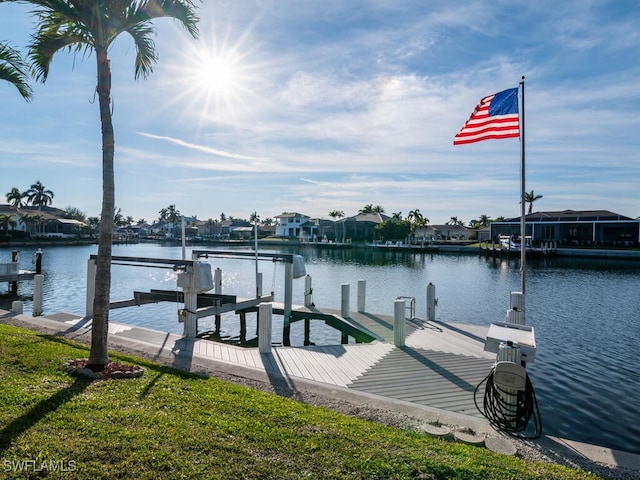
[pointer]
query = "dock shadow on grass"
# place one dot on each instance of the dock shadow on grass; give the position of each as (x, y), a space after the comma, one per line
(39, 411)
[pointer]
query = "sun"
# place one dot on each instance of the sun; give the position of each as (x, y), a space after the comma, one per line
(217, 74)
(213, 80)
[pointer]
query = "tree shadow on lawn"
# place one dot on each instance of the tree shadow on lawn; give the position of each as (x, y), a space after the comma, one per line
(39, 411)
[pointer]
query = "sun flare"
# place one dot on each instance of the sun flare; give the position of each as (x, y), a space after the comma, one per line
(218, 74)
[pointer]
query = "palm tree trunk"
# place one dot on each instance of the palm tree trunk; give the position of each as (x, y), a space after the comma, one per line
(99, 355)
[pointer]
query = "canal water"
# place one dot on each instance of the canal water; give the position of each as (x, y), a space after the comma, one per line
(586, 313)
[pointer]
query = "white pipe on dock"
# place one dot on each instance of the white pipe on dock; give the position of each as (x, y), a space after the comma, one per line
(398, 322)
(288, 303)
(431, 302)
(259, 284)
(38, 280)
(184, 239)
(217, 281)
(189, 314)
(515, 317)
(17, 307)
(308, 291)
(265, 315)
(515, 314)
(91, 286)
(362, 293)
(344, 304)
(516, 300)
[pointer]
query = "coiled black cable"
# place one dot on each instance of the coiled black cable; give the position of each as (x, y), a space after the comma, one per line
(506, 415)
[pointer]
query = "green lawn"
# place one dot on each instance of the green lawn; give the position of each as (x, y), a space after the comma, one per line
(170, 424)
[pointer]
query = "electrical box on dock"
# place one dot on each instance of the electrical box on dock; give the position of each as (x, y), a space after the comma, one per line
(198, 279)
(521, 335)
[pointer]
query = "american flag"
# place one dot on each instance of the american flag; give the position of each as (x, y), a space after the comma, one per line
(496, 116)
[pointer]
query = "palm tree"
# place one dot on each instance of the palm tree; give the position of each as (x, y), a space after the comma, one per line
(16, 198)
(118, 219)
(38, 195)
(6, 221)
(417, 220)
(530, 197)
(336, 214)
(484, 220)
(92, 26)
(32, 219)
(14, 70)
(414, 215)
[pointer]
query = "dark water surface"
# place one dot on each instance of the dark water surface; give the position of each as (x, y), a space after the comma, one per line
(586, 314)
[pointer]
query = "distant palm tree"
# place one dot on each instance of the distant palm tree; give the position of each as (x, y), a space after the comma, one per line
(90, 26)
(32, 219)
(417, 220)
(336, 214)
(368, 208)
(16, 198)
(173, 215)
(6, 221)
(530, 197)
(14, 70)
(455, 221)
(38, 195)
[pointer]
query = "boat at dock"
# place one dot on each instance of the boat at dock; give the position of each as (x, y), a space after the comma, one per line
(511, 245)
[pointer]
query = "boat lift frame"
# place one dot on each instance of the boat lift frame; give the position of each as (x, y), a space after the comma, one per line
(215, 305)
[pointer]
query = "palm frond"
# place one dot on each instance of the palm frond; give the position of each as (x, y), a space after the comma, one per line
(14, 70)
(181, 10)
(146, 55)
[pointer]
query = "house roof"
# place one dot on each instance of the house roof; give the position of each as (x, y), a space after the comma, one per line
(367, 217)
(70, 221)
(447, 227)
(291, 215)
(572, 216)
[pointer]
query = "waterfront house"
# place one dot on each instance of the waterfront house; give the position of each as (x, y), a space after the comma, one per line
(289, 224)
(583, 228)
(41, 222)
(360, 227)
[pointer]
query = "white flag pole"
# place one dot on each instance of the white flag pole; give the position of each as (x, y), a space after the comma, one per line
(523, 225)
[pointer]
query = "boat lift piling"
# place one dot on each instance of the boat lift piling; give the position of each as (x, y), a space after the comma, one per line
(11, 273)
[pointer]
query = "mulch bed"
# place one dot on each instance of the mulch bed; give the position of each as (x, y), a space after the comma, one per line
(111, 371)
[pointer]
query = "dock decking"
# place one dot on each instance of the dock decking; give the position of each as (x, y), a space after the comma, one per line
(439, 366)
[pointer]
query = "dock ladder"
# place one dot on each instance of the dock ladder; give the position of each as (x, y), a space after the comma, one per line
(411, 306)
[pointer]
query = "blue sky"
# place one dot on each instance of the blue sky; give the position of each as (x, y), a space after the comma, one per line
(313, 106)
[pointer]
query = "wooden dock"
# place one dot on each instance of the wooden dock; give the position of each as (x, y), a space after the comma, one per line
(439, 366)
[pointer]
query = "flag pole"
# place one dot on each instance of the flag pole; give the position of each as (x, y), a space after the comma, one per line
(523, 226)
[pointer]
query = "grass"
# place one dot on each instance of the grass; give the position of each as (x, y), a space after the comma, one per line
(171, 424)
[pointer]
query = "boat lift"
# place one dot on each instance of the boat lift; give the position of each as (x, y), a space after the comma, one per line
(194, 277)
